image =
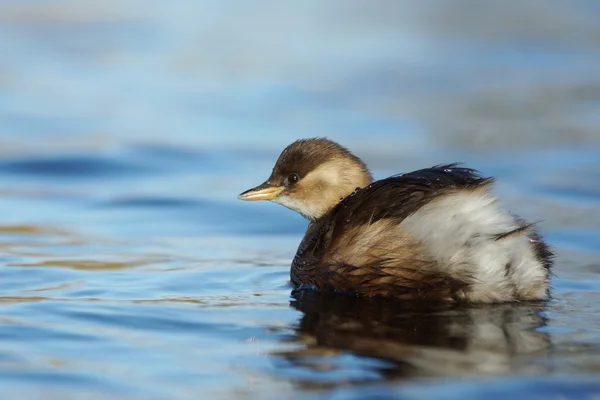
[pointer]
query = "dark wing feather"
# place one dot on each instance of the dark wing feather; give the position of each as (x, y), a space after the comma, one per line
(402, 195)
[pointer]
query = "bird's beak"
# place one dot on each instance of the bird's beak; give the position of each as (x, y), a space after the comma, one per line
(266, 191)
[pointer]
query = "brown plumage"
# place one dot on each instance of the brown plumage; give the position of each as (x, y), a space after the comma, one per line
(433, 234)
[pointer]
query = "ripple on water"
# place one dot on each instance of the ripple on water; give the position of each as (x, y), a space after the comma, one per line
(72, 167)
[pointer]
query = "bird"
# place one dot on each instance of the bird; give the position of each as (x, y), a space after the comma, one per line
(437, 234)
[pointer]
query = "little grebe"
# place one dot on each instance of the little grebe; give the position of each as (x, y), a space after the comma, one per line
(433, 234)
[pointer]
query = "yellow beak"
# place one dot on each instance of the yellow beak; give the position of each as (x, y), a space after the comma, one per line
(262, 192)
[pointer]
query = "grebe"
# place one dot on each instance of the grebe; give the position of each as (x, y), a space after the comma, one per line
(434, 234)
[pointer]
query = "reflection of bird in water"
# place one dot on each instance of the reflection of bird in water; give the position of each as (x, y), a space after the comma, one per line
(433, 234)
(411, 340)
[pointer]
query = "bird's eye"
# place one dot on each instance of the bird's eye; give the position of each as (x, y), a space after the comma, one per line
(292, 178)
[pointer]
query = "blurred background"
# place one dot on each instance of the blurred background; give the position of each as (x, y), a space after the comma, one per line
(127, 129)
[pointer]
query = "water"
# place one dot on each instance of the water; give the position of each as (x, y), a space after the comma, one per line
(127, 129)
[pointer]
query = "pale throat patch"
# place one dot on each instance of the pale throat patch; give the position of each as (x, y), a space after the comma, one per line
(307, 209)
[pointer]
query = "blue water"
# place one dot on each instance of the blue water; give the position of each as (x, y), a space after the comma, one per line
(128, 268)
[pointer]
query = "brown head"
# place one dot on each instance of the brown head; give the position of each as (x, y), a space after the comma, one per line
(311, 176)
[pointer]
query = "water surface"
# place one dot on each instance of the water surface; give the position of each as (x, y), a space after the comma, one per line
(128, 269)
